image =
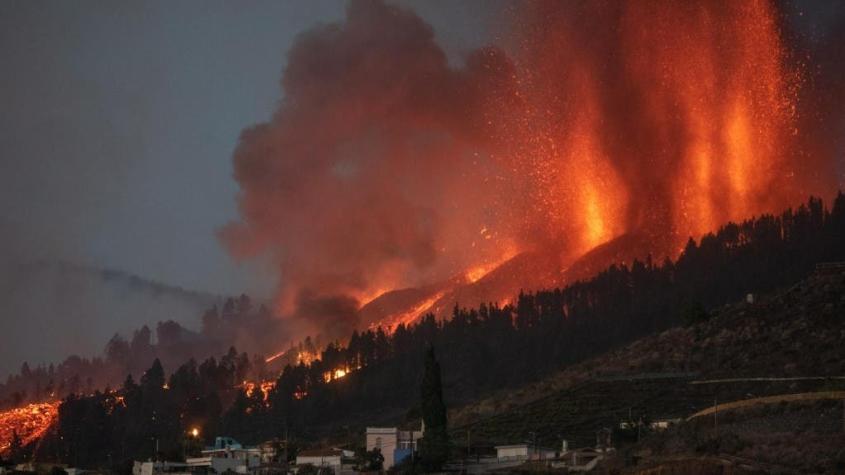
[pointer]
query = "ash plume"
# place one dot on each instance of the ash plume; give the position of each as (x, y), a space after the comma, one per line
(372, 170)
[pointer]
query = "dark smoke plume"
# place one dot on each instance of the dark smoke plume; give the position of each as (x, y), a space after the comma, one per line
(371, 172)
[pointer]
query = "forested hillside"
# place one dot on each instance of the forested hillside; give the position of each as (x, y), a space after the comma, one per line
(480, 349)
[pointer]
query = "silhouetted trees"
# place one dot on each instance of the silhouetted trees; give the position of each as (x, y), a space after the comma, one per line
(478, 349)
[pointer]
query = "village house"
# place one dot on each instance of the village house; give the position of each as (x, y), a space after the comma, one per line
(226, 455)
(505, 453)
(395, 445)
(336, 459)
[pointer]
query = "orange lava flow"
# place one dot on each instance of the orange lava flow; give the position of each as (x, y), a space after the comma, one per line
(411, 315)
(30, 422)
(476, 273)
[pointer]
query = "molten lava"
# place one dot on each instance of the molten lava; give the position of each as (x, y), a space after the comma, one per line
(404, 318)
(30, 422)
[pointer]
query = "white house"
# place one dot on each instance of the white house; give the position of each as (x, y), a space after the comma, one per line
(523, 452)
(331, 458)
(156, 468)
(218, 464)
(386, 439)
(393, 443)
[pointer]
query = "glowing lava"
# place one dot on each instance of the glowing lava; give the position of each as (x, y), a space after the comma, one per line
(476, 273)
(30, 422)
(409, 316)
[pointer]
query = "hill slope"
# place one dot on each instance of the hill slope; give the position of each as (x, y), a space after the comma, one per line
(61, 309)
(790, 340)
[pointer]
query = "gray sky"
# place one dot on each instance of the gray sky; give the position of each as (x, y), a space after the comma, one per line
(119, 119)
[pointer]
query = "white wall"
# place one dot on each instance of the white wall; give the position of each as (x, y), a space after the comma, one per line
(512, 452)
(385, 439)
(320, 461)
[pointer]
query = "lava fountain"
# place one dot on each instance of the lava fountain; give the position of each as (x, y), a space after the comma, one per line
(385, 167)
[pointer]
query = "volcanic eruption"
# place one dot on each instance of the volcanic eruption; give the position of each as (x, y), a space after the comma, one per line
(390, 183)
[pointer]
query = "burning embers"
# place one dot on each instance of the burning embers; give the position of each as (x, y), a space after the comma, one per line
(302, 358)
(249, 387)
(30, 422)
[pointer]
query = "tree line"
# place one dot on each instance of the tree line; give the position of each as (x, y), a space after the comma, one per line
(480, 349)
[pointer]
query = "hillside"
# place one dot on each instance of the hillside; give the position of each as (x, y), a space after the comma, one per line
(629, 341)
(546, 268)
(785, 342)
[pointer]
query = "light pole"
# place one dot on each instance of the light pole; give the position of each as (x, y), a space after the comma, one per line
(192, 437)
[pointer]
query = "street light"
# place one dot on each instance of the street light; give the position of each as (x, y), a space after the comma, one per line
(194, 434)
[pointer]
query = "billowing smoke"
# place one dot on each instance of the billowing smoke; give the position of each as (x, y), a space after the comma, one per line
(373, 171)
(384, 167)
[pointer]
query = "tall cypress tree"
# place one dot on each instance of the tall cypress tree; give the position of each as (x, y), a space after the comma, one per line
(434, 445)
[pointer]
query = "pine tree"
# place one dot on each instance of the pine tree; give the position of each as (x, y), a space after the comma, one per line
(434, 445)
(152, 381)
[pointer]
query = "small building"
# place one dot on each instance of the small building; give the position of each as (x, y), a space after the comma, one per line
(222, 443)
(191, 466)
(395, 445)
(663, 424)
(506, 453)
(329, 458)
(227, 448)
(581, 460)
(218, 464)
(156, 468)
(273, 450)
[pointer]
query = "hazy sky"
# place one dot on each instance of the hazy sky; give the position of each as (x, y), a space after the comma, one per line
(118, 121)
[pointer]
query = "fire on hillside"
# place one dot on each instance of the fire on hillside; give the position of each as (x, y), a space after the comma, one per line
(29, 422)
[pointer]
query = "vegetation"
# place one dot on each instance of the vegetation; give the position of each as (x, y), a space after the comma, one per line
(480, 350)
(434, 446)
(369, 460)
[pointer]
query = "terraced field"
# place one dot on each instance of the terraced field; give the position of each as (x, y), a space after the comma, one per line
(576, 414)
(785, 343)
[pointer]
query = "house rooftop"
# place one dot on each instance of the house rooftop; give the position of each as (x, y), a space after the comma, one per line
(320, 453)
